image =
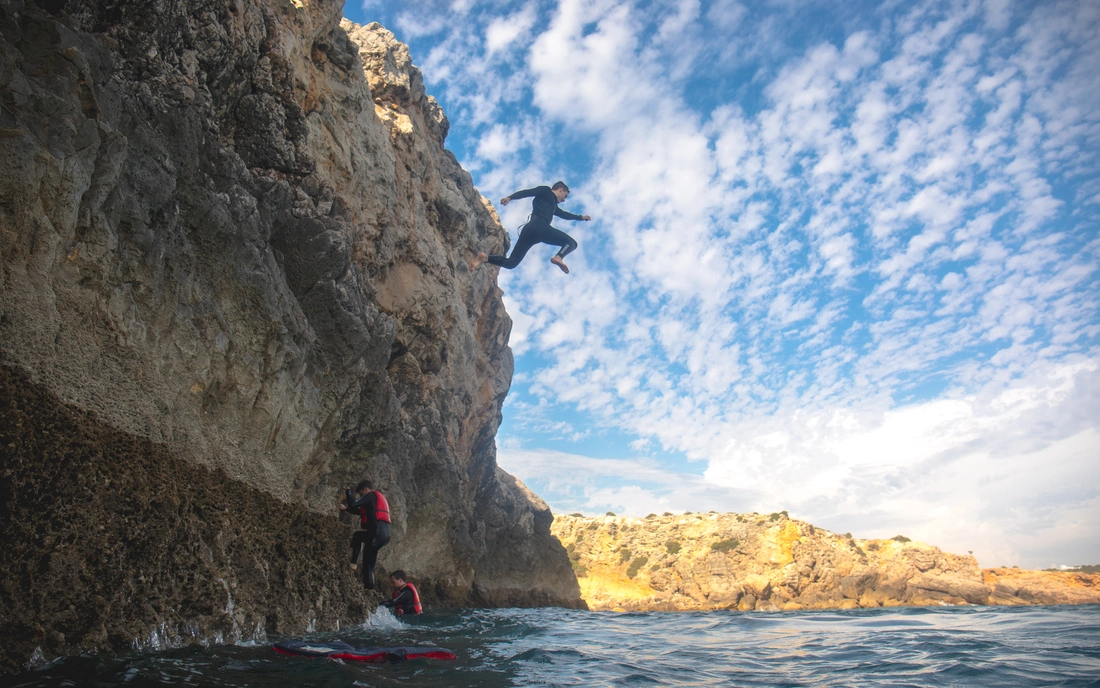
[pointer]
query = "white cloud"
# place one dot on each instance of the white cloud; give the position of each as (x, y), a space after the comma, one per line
(629, 487)
(419, 24)
(1001, 457)
(503, 32)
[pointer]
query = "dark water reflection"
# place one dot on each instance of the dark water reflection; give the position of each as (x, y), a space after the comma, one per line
(971, 646)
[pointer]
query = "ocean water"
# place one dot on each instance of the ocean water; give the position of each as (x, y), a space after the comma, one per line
(945, 646)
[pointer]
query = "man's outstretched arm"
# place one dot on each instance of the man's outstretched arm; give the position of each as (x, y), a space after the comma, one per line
(525, 193)
(566, 215)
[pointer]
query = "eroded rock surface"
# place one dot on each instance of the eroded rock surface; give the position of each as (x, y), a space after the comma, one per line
(1012, 586)
(772, 562)
(111, 541)
(230, 228)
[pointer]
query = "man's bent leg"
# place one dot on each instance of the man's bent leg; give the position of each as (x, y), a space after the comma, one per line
(556, 237)
(358, 539)
(568, 248)
(528, 237)
(370, 554)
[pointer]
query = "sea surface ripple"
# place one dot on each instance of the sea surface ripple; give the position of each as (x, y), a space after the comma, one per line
(948, 646)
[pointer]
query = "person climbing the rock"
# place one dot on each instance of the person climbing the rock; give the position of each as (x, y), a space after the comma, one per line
(374, 527)
(406, 600)
(544, 207)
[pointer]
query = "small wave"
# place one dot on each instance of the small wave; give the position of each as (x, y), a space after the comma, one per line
(498, 648)
(38, 660)
(547, 656)
(381, 618)
(171, 637)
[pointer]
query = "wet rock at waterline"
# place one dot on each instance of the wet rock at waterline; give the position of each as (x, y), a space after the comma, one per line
(111, 541)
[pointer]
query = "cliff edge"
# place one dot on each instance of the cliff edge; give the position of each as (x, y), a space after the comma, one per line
(233, 267)
(773, 562)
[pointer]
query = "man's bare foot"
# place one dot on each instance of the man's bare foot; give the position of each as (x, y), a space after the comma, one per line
(476, 263)
(556, 260)
(354, 567)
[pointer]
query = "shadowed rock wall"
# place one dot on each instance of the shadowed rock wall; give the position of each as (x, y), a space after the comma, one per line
(230, 227)
(111, 542)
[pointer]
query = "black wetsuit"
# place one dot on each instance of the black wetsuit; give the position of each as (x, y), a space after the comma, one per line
(405, 602)
(373, 536)
(538, 230)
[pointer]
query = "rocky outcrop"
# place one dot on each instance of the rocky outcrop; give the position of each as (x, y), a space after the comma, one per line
(1012, 586)
(772, 562)
(229, 228)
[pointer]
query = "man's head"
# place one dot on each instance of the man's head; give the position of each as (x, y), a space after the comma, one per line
(364, 487)
(561, 191)
(398, 578)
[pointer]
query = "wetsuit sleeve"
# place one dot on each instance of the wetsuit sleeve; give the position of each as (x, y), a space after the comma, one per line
(526, 193)
(565, 214)
(405, 597)
(367, 501)
(349, 500)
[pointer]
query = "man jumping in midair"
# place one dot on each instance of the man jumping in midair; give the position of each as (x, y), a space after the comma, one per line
(538, 230)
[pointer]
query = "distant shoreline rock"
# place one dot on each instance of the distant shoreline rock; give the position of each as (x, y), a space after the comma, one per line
(773, 562)
(1011, 586)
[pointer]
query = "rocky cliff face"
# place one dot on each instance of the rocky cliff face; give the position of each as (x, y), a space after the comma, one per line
(772, 562)
(1011, 586)
(229, 228)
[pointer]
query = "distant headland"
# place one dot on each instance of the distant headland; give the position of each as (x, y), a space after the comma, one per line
(773, 562)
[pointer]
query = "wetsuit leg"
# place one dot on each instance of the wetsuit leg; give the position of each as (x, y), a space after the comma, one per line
(358, 539)
(536, 232)
(569, 245)
(527, 239)
(370, 554)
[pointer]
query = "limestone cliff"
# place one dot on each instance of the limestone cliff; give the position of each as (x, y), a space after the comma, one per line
(772, 562)
(232, 242)
(1013, 586)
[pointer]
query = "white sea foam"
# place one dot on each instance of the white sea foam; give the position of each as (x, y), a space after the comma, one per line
(381, 618)
(37, 660)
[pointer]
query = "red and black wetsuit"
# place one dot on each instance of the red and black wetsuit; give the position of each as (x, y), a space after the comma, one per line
(405, 602)
(374, 533)
(538, 230)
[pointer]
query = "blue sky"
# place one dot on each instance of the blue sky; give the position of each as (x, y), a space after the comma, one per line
(842, 262)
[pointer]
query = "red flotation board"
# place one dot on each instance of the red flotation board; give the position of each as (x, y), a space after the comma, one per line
(338, 649)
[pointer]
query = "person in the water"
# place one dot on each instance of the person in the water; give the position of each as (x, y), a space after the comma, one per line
(544, 207)
(406, 600)
(374, 523)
